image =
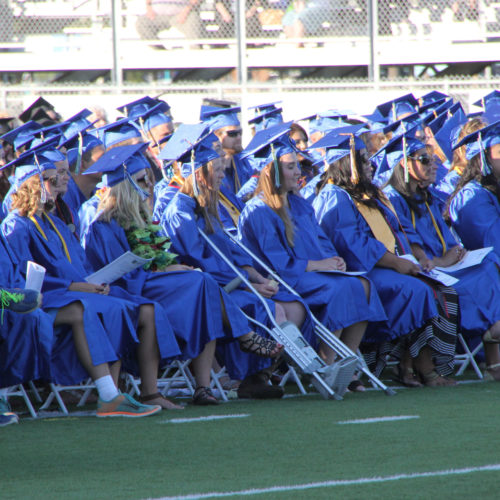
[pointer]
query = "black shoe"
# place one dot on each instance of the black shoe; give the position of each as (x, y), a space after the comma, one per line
(257, 387)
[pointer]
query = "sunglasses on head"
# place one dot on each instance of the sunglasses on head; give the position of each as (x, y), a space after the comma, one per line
(233, 133)
(423, 159)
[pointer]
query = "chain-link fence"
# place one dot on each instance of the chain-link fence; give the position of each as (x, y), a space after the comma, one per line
(95, 35)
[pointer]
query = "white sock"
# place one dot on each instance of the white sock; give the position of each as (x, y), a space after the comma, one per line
(106, 388)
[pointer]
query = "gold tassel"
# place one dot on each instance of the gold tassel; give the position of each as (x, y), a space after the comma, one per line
(354, 167)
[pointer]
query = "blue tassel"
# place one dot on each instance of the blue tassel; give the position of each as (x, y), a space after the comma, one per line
(485, 168)
(143, 194)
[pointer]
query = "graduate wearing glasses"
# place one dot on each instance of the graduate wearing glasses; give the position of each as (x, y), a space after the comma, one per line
(361, 223)
(434, 245)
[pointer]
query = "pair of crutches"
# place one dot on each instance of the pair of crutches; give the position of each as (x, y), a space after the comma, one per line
(330, 381)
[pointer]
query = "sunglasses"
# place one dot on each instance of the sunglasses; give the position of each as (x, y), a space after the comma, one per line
(234, 133)
(143, 179)
(423, 159)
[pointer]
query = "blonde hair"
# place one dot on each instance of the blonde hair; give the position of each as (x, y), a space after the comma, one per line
(27, 198)
(274, 198)
(122, 203)
(459, 159)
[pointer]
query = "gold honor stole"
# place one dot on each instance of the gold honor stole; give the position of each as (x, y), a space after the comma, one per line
(234, 213)
(378, 224)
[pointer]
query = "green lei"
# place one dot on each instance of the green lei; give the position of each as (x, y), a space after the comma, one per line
(147, 243)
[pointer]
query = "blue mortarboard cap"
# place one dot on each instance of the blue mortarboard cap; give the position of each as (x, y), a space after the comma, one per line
(341, 142)
(439, 120)
(22, 135)
(46, 150)
(44, 134)
(79, 144)
(267, 119)
(432, 113)
(136, 108)
(446, 133)
(431, 106)
(389, 155)
(152, 117)
(190, 145)
(397, 107)
(432, 96)
(491, 99)
(116, 132)
(478, 141)
(76, 123)
(376, 118)
(120, 164)
(220, 117)
(262, 108)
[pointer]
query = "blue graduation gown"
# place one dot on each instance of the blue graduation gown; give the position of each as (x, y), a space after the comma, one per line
(193, 293)
(233, 182)
(329, 296)
(308, 192)
(109, 321)
(478, 287)
(25, 339)
(475, 214)
(408, 302)
(163, 192)
(181, 224)
(87, 213)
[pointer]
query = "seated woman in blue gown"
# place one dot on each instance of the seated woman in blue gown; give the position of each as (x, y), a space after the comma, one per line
(103, 326)
(280, 227)
(26, 340)
(123, 219)
(361, 223)
(474, 206)
(433, 244)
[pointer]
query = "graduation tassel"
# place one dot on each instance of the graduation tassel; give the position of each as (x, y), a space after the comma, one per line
(405, 161)
(44, 196)
(277, 182)
(485, 168)
(79, 154)
(354, 167)
(143, 194)
(394, 112)
(196, 191)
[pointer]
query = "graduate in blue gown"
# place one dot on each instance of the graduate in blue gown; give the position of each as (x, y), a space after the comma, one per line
(280, 227)
(358, 219)
(478, 287)
(26, 340)
(224, 122)
(121, 212)
(102, 321)
(187, 212)
(474, 208)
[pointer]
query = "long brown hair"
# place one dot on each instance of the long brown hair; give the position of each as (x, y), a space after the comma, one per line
(274, 198)
(459, 161)
(339, 173)
(207, 201)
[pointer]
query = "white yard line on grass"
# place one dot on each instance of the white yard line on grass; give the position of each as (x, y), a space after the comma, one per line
(203, 419)
(337, 482)
(377, 419)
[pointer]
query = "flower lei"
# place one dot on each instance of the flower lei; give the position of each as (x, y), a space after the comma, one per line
(147, 243)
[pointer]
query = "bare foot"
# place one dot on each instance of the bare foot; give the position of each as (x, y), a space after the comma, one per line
(433, 379)
(158, 399)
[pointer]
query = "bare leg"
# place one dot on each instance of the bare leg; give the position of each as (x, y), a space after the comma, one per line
(425, 367)
(492, 352)
(294, 312)
(72, 315)
(202, 365)
(148, 357)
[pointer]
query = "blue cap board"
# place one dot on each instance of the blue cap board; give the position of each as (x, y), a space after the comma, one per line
(431, 97)
(220, 117)
(267, 119)
(395, 108)
(491, 99)
(191, 146)
(445, 133)
(477, 142)
(116, 132)
(21, 135)
(120, 164)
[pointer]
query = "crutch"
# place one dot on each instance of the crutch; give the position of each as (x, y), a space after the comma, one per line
(331, 381)
(328, 337)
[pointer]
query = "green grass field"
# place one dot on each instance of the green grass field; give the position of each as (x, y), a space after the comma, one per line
(281, 443)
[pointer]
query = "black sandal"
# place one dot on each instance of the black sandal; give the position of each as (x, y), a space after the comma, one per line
(203, 396)
(255, 344)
